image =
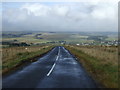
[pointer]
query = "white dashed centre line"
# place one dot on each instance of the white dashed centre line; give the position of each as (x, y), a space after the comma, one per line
(54, 63)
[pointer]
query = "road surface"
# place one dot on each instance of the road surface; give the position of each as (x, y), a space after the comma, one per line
(57, 69)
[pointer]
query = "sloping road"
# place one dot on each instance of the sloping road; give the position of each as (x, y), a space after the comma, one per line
(57, 69)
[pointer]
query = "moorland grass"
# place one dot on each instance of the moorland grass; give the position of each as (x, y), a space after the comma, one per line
(15, 56)
(103, 71)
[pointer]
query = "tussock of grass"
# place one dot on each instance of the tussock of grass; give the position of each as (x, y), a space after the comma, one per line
(102, 70)
(19, 55)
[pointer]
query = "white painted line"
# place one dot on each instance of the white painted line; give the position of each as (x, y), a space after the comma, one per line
(54, 64)
(51, 69)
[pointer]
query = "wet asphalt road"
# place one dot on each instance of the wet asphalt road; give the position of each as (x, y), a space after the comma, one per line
(57, 69)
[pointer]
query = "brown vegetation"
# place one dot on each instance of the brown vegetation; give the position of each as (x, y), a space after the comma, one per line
(14, 56)
(100, 61)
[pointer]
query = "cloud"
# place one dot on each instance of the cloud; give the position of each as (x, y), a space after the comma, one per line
(105, 12)
(61, 17)
(36, 9)
(13, 16)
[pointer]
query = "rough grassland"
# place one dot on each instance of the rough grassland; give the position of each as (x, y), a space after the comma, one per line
(100, 62)
(15, 56)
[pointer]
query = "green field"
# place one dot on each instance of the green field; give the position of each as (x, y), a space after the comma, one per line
(69, 37)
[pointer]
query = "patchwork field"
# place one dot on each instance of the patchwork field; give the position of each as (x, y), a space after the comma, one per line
(93, 38)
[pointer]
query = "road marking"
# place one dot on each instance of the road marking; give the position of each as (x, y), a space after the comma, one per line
(51, 69)
(54, 63)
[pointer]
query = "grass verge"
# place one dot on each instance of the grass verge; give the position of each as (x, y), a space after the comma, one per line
(105, 73)
(22, 58)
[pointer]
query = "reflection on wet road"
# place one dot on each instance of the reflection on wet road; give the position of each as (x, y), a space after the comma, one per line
(57, 69)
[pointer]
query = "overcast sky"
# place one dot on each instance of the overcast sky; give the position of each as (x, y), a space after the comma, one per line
(56, 16)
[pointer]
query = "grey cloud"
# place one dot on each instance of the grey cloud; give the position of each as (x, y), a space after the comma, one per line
(77, 17)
